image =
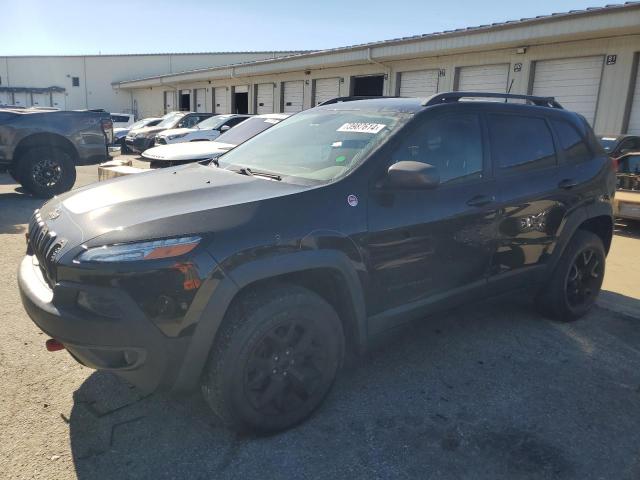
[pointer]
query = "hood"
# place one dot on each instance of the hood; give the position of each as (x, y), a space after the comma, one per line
(120, 130)
(158, 203)
(187, 151)
(146, 130)
(177, 131)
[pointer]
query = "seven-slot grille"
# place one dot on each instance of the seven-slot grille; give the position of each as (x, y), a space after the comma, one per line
(42, 243)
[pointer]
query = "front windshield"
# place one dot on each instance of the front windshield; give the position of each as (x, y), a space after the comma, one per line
(140, 123)
(246, 130)
(170, 119)
(608, 143)
(212, 122)
(318, 145)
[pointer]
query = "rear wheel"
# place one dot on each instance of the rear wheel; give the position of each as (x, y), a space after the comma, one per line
(577, 279)
(46, 171)
(274, 360)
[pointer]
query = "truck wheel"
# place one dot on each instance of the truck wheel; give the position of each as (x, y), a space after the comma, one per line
(46, 171)
(574, 285)
(274, 359)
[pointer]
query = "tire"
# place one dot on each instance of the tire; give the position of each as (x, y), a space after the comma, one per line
(47, 171)
(274, 360)
(576, 281)
(124, 150)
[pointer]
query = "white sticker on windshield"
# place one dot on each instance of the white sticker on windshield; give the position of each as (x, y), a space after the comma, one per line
(271, 120)
(361, 127)
(608, 138)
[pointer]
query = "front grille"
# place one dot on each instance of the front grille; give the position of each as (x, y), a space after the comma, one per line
(43, 244)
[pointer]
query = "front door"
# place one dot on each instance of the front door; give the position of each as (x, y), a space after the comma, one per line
(427, 246)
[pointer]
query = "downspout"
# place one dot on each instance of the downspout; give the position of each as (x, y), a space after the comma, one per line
(387, 69)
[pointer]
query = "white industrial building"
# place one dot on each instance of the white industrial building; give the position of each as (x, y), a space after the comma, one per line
(587, 59)
(85, 81)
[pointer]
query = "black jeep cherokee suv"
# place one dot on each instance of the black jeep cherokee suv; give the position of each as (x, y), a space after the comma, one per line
(252, 275)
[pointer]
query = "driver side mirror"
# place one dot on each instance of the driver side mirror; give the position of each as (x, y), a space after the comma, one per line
(412, 175)
(224, 128)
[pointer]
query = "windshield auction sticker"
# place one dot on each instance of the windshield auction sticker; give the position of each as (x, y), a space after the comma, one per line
(361, 127)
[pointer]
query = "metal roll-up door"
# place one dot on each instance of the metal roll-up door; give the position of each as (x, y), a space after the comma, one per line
(484, 78)
(6, 98)
(326, 89)
(292, 96)
(169, 101)
(421, 83)
(200, 101)
(264, 98)
(41, 99)
(634, 114)
(574, 82)
(20, 98)
(221, 102)
(59, 100)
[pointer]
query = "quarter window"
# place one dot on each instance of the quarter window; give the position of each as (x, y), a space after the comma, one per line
(520, 143)
(451, 143)
(575, 150)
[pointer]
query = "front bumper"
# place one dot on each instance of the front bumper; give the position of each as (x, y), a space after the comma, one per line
(130, 345)
(139, 145)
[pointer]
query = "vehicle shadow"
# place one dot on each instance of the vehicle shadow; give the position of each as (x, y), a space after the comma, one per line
(16, 207)
(490, 391)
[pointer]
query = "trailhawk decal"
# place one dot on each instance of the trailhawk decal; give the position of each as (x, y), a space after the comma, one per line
(361, 127)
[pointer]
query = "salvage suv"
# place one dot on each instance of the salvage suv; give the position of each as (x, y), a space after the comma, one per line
(252, 275)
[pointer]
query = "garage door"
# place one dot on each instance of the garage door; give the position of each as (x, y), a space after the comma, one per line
(20, 98)
(41, 100)
(5, 98)
(58, 100)
(169, 101)
(264, 98)
(292, 96)
(421, 83)
(634, 116)
(221, 100)
(574, 82)
(326, 89)
(484, 78)
(200, 101)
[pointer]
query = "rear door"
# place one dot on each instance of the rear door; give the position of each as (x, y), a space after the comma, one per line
(425, 246)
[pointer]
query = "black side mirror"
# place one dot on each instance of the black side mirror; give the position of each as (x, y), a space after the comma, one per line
(412, 175)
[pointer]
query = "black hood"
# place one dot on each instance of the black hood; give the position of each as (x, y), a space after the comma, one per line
(159, 203)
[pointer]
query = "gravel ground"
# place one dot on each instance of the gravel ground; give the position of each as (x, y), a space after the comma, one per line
(490, 391)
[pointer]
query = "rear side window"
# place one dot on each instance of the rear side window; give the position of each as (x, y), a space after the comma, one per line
(120, 118)
(520, 143)
(574, 147)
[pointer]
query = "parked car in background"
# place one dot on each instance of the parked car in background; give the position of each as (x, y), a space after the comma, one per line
(208, 129)
(41, 148)
(121, 120)
(180, 153)
(119, 134)
(627, 200)
(617, 145)
(140, 139)
(251, 276)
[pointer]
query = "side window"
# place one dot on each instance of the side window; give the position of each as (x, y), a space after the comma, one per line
(119, 118)
(574, 147)
(189, 122)
(451, 143)
(629, 145)
(520, 143)
(235, 121)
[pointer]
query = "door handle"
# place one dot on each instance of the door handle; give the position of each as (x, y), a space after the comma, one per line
(480, 200)
(567, 183)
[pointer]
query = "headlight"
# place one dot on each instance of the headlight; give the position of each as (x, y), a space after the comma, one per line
(178, 135)
(131, 252)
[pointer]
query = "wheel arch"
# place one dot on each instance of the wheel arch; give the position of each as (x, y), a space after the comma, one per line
(51, 140)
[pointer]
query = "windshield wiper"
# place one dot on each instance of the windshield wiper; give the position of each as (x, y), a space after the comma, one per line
(250, 172)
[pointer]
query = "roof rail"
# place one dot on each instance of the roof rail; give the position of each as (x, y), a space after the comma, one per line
(350, 99)
(448, 97)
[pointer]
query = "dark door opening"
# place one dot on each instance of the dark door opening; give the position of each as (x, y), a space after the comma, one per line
(241, 102)
(185, 101)
(370, 86)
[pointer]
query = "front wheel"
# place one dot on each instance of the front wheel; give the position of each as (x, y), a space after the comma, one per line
(575, 283)
(46, 171)
(274, 359)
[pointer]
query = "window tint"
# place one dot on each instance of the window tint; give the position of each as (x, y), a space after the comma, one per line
(451, 143)
(190, 121)
(575, 150)
(522, 143)
(119, 118)
(630, 165)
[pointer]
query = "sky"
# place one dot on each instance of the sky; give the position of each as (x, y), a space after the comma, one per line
(75, 27)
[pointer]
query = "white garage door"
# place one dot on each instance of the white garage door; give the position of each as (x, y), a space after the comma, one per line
(292, 96)
(20, 98)
(41, 100)
(422, 83)
(169, 101)
(59, 100)
(326, 89)
(634, 116)
(200, 101)
(5, 98)
(264, 98)
(484, 78)
(221, 100)
(574, 82)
